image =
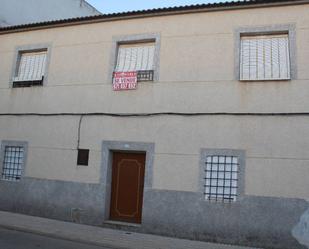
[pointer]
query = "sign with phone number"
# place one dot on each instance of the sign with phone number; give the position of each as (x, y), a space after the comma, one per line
(125, 81)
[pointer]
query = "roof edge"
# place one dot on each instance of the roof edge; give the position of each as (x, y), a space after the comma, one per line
(247, 4)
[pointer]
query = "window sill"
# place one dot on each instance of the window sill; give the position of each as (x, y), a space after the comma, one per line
(265, 80)
(13, 181)
(220, 202)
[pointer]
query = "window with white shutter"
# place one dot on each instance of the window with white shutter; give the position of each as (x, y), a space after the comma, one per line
(30, 69)
(137, 57)
(265, 57)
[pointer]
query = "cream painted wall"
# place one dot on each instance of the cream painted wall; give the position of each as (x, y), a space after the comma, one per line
(196, 75)
(277, 162)
(197, 59)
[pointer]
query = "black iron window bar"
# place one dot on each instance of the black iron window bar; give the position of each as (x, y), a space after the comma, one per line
(12, 163)
(229, 181)
(145, 75)
(28, 83)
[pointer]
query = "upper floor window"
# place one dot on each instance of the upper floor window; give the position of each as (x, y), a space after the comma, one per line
(265, 57)
(30, 65)
(30, 68)
(137, 57)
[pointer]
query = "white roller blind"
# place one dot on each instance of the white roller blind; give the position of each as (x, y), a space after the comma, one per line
(135, 57)
(265, 57)
(31, 66)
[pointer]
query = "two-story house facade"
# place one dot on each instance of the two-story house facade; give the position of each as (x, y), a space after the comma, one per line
(211, 144)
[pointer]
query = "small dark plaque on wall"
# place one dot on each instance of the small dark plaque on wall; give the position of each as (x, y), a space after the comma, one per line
(82, 157)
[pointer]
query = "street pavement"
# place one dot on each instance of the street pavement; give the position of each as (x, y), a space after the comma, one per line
(10, 239)
(66, 233)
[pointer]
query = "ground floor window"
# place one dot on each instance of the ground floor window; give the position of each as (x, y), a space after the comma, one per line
(222, 172)
(13, 160)
(221, 178)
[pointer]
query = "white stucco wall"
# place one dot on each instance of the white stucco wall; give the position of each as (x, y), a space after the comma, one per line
(14, 12)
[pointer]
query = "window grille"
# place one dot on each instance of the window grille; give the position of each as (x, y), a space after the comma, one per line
(136, 57)
(265, 57)
(221, 178)
(12, 163)
(145, 75)
(30, 68)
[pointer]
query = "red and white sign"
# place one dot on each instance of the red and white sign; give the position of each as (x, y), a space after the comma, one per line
(125, 81)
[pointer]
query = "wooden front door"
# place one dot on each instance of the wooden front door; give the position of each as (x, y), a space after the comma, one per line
(127, 186)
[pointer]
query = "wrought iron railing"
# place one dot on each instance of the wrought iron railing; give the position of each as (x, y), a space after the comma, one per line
(145, 75)
(28, 83)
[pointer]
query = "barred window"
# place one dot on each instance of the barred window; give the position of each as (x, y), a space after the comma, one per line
(137, 57)
(30, 68)
(221, 178)
(13, 160)
(265, 57)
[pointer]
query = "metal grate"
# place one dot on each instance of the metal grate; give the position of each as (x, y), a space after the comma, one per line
(221, 177)
(12, 163)
(145, 75)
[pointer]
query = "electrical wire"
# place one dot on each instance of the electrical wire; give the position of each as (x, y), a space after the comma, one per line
(160, 114)
(78, 132)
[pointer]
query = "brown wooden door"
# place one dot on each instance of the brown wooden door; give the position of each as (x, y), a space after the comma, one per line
(127, 187)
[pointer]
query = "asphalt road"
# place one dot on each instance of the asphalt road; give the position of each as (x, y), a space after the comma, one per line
(10, 239)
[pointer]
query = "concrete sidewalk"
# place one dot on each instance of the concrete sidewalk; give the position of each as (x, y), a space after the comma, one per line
(98, 235)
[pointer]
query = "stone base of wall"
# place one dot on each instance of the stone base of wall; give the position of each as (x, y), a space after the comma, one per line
(255, 221)
(67, 201)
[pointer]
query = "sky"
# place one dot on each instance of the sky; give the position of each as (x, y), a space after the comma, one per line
(113, 6)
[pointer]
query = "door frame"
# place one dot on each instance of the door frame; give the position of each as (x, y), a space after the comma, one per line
(108, 147)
